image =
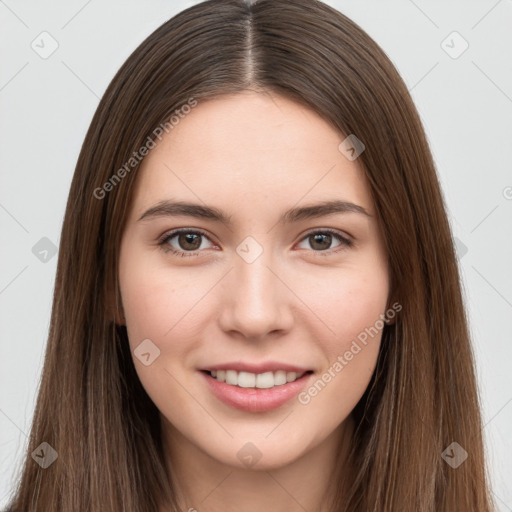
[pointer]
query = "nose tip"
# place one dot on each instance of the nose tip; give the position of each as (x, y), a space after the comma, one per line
(255, 302)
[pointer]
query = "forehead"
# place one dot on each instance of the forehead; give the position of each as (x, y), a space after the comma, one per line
(252, 148)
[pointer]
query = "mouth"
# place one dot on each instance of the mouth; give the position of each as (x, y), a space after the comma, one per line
(255, 392)
(265, 380)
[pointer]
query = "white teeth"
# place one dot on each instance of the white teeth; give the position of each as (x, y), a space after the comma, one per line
(264, 380)
(251, 380)
(280, 378)
(291, 376)
(231, 377)
(246, 379)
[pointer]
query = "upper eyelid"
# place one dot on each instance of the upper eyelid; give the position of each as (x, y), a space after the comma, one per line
(173, 232)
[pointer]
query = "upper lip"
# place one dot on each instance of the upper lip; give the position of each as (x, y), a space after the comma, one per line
(270, 366)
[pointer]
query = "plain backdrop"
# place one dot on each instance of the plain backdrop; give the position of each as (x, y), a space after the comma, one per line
(464, 96)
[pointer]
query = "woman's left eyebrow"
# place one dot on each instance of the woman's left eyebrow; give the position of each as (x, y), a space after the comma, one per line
(181, 208)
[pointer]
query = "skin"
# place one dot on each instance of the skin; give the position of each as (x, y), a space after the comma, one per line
(254, 156)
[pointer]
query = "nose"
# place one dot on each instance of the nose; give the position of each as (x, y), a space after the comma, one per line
(256, 301)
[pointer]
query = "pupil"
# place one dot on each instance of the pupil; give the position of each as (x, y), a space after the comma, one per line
(189, 241)
(319, 238)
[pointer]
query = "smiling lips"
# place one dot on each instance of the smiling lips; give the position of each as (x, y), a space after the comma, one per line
(261, 376)
(255, 388)
(252, 380)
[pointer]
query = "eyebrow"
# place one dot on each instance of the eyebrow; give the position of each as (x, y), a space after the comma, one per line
(170, 208)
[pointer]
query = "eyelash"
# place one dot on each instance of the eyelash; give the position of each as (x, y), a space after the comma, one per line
(162, 242)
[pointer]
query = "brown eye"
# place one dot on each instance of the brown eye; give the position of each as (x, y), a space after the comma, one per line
(321, 241)
(189, 241)
(183, 242)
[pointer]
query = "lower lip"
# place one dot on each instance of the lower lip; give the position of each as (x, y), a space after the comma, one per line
(255, 399)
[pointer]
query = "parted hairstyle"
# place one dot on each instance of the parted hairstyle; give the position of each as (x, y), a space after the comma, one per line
(91, 407)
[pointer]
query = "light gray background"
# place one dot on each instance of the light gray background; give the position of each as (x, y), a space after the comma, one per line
(47, 104)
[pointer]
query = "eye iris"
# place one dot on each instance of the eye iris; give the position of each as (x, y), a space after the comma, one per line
(189, 241)
(321, 238)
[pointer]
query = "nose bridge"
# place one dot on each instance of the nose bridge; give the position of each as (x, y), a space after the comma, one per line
(258, 301)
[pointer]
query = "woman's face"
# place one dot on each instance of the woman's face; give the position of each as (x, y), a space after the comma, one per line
(261, 286)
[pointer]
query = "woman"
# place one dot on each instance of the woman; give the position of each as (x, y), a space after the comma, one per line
(257, 303)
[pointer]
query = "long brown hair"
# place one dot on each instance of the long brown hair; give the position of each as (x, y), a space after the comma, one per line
(91, 407)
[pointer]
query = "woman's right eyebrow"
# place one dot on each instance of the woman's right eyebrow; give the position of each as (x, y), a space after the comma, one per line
(181, 208)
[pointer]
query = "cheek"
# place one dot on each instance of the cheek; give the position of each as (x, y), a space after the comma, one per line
(145, 305)
(159, 306)
(157, 302)
(352, 307)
